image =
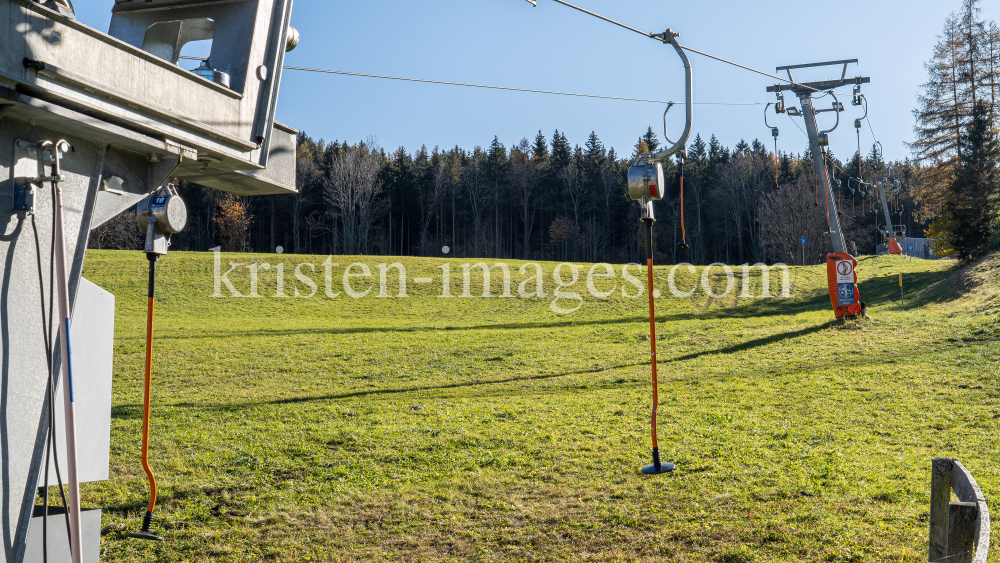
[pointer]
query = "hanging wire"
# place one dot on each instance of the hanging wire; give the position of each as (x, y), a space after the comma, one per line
(869, 122)
(660, 38)
(797, 127)
(448, 83)
(609, 20)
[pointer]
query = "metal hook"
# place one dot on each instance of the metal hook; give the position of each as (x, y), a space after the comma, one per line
(863, 103)
(836, 110)
(669, 105)
(669, 36)
(774, 130)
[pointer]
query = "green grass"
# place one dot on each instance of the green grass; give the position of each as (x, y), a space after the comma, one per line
(474, 429)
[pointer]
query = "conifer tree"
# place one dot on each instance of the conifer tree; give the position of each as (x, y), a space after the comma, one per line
(970, 210)
(962, 71)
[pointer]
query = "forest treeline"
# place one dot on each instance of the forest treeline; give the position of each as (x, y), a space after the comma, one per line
(546, 198)
(540, 199)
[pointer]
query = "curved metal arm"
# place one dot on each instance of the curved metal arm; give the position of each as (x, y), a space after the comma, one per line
(665, 136)
(671, 37)
(864, 104)
(836, 110)
(766, 124)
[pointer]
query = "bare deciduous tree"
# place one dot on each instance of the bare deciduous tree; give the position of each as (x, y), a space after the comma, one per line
(790, 213)
(613, 185)
(350, 188)
(430, 203)
(474, 180)
(524, 177)
(744, 182)
(120, 233)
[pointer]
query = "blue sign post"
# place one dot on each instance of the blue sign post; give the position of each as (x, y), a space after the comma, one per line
(802, 242)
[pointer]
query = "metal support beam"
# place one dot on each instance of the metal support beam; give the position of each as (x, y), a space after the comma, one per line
(809, 116)
(805, 91)
(890, 229)
(819, 86)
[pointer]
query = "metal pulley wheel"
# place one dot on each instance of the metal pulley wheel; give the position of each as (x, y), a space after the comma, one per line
(167, 209)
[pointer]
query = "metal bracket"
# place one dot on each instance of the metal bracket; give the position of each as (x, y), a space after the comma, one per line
(113, 185)
(24, 199)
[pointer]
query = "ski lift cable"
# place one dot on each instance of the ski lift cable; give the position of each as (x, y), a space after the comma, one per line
(797, 126)
(869, 122)
(842, 171)
(659, 37)
(510, 88)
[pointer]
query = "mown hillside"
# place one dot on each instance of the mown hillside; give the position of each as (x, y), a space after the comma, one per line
(496, 429)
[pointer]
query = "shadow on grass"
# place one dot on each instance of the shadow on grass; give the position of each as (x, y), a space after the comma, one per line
(378, 392)
(133, 411)
(758, 308)
(919, 288)
(751, 344)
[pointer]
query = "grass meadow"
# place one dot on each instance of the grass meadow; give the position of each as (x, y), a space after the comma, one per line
(494, 429)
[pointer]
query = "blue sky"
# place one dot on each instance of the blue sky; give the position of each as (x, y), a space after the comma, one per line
(552, 47)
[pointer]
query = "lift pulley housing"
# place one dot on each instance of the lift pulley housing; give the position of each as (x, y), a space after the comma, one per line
(645, 180)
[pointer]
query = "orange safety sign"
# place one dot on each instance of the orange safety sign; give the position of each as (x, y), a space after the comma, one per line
(843, 282)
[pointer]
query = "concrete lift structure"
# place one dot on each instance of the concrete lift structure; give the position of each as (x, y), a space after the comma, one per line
(133, 118)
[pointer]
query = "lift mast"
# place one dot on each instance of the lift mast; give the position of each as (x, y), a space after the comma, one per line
(819, 139)
(892, 232)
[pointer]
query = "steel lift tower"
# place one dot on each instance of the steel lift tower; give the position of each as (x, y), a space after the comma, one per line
(892, 233)
(845, 299)
(91, 123)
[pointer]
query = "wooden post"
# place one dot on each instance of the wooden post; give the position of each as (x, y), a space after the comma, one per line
(901, 288)
(941, 469)
(962, 519)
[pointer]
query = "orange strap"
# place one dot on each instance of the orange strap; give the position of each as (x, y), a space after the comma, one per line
(145, 409)
(775, 162)
(652, 348)
(826, 196)
(683, 233)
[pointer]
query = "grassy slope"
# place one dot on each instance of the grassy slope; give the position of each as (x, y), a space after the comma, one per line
(494, 429)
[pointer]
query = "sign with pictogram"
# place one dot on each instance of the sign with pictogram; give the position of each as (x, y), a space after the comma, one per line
(845, 271)
(802, 241)
(845, 294)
